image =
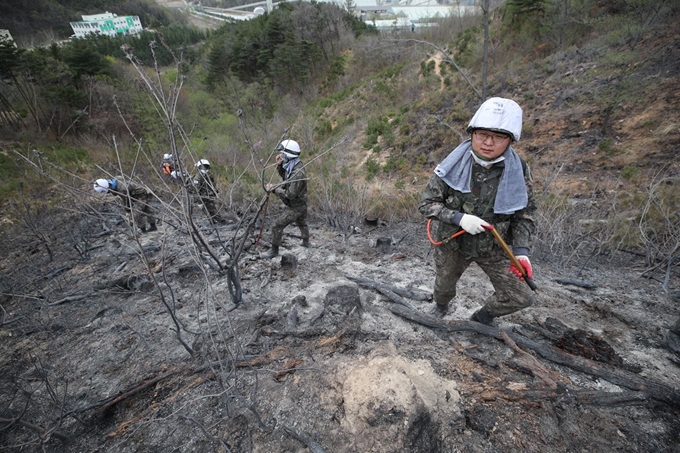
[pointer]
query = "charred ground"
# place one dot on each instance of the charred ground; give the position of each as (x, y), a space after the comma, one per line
(91, 361)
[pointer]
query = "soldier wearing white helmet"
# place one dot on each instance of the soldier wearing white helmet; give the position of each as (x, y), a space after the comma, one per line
(205, 187)
(167, 165)
(293, 194)
(135, 199)
(483, 183)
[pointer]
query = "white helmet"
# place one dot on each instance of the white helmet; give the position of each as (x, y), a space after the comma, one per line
(203, 163)
(167, 156)
(499, 115)
(101, 186)
(290, 148)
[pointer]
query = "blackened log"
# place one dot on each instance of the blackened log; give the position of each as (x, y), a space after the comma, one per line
(653, 389)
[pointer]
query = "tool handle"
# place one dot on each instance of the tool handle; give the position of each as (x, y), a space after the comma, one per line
(531, 283)
(512, 257)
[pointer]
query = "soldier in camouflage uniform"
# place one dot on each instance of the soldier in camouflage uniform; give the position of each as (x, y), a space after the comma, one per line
(204, 185)
(293, 194)
(483, 182)
(136, 200)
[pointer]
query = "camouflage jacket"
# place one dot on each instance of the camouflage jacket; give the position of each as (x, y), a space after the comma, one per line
(441, 202)
(137, 192)
(293, 192)
(204, 184)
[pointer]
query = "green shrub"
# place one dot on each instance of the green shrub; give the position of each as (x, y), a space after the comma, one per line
(372, 168)
(377, 126)
(395, 164)
(381, 87)
(324, 103)
(389, 137)
(370, 141)
(392, 71)
(323, 128)
(630, 172)
(427, 68)
(606, 147)
(349, 119)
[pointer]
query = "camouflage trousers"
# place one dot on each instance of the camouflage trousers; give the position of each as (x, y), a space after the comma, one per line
(287, 217)
(211, 207)
(142, 212)
(511, 294)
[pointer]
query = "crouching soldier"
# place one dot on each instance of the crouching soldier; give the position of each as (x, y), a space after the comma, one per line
(135, 198)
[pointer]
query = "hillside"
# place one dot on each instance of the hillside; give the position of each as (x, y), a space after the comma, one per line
(91, 359)
(179, 340)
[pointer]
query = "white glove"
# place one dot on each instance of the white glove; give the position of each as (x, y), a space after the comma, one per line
(472, 224)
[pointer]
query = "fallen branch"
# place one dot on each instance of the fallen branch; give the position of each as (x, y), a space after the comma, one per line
(575, 282)
(305, 439)
(395, 298)
(11, 320)
(108, 402)
(655, 390)
(597, 398)
(205, 432)
(68, 299)
(409, 293)
(385, 290)
(42, 431)
(51, 275)
(530, 362)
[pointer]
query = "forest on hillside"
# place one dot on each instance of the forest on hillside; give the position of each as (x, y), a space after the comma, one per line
(322, 74)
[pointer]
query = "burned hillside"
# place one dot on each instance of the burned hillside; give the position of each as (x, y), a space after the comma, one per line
(330, 349)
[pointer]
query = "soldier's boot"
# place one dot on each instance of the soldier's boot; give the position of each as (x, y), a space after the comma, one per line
(305, 243)
(440, 310)
(274, 251)
(482, 316)
(153, 227)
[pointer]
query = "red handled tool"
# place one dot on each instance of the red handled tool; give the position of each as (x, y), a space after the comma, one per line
(512, 257)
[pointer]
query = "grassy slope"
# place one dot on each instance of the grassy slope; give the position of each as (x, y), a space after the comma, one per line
(604, 114)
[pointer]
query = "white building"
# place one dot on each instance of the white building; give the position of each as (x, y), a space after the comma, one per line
(106, 24)
(390, 14)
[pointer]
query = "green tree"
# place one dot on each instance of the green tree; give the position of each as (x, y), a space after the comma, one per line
(83, 58)
(12, 84)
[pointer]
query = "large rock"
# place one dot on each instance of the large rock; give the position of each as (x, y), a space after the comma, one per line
(390, 400)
